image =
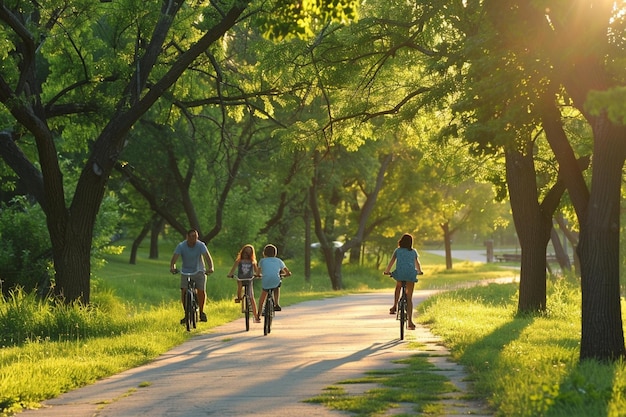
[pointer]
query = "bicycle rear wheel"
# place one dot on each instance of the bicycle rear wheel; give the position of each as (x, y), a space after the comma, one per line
(402, 312)
(269, 313)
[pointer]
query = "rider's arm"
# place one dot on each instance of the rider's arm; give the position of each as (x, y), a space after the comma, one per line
(418, 265)
(173, 262)
(209, 262)
(285, 272)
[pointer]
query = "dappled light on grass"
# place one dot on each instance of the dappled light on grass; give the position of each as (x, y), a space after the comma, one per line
(438, 277)
(526, 365)
(66, 347)
(416, 384)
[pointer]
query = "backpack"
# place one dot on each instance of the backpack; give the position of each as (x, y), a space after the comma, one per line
(244, 270)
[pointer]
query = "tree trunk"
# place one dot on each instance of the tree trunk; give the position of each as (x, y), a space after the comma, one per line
(559, 251)
(533, 229)
(157, 227)
(72, 264)
(307, 244)
(602, 328)
(135, 246)
(598, 246)
(333, 269)
(325, 245)
(572, 238)
(337, 273)
(355, 255)
(447, 243)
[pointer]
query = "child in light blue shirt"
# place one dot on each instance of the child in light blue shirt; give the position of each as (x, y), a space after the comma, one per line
(271, 268)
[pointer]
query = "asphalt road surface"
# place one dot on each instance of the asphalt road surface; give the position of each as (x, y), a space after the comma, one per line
(231, 372)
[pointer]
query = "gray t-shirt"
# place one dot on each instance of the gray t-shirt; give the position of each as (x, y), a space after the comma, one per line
(191, 256)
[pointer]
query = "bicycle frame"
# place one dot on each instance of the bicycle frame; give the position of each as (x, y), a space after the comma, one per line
(401, 312)
(268, 307)
(191, 301)
(246, 305)
(269, 311)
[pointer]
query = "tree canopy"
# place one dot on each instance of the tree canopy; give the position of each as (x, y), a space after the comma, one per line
(191, 96)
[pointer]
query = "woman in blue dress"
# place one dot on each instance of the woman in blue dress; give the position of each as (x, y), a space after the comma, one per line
(408, 267)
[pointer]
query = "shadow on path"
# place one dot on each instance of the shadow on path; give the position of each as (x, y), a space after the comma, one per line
(231, 372)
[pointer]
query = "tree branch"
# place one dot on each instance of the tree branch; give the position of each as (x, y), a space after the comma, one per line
(26, 171)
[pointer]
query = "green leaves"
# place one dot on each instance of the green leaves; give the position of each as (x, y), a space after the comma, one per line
(613, 101)
(304, 18)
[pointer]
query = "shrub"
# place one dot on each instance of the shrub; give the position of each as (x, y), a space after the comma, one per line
(25, 249)
(27, 318)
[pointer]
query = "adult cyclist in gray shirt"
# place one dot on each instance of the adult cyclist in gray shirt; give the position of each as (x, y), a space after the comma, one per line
(192, 251)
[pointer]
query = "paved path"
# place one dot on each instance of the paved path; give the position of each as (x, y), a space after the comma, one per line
(473, 255)
(230, 372)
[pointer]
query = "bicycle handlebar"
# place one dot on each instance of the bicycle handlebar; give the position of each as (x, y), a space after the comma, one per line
(176, 271)
(243, 279)
(255, 277)
(418, 273)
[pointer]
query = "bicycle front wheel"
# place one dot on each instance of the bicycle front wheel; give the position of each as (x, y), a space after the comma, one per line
(189, 310)
(195, 317)
(247, 307)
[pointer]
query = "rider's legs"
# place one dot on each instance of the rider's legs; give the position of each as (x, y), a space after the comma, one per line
(396, 297)
(276, 297)
(200, 279)
(262, 299)
(253, 301)
(239, 287)
(201, 298)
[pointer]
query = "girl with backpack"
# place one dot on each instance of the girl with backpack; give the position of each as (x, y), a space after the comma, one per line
(246, 267)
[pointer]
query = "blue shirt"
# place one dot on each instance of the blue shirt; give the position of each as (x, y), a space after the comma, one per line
(405, 265)
(191, 256)
(270, 269)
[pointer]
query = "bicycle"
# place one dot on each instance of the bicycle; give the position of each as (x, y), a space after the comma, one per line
(246, 301)
(191, 301)
(268, 309)
(402, 313)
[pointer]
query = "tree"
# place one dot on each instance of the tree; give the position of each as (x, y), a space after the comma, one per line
(95, 57)
(555, 54)
(357, 231)
(590, 32)
(460, 194)
(574, 51)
